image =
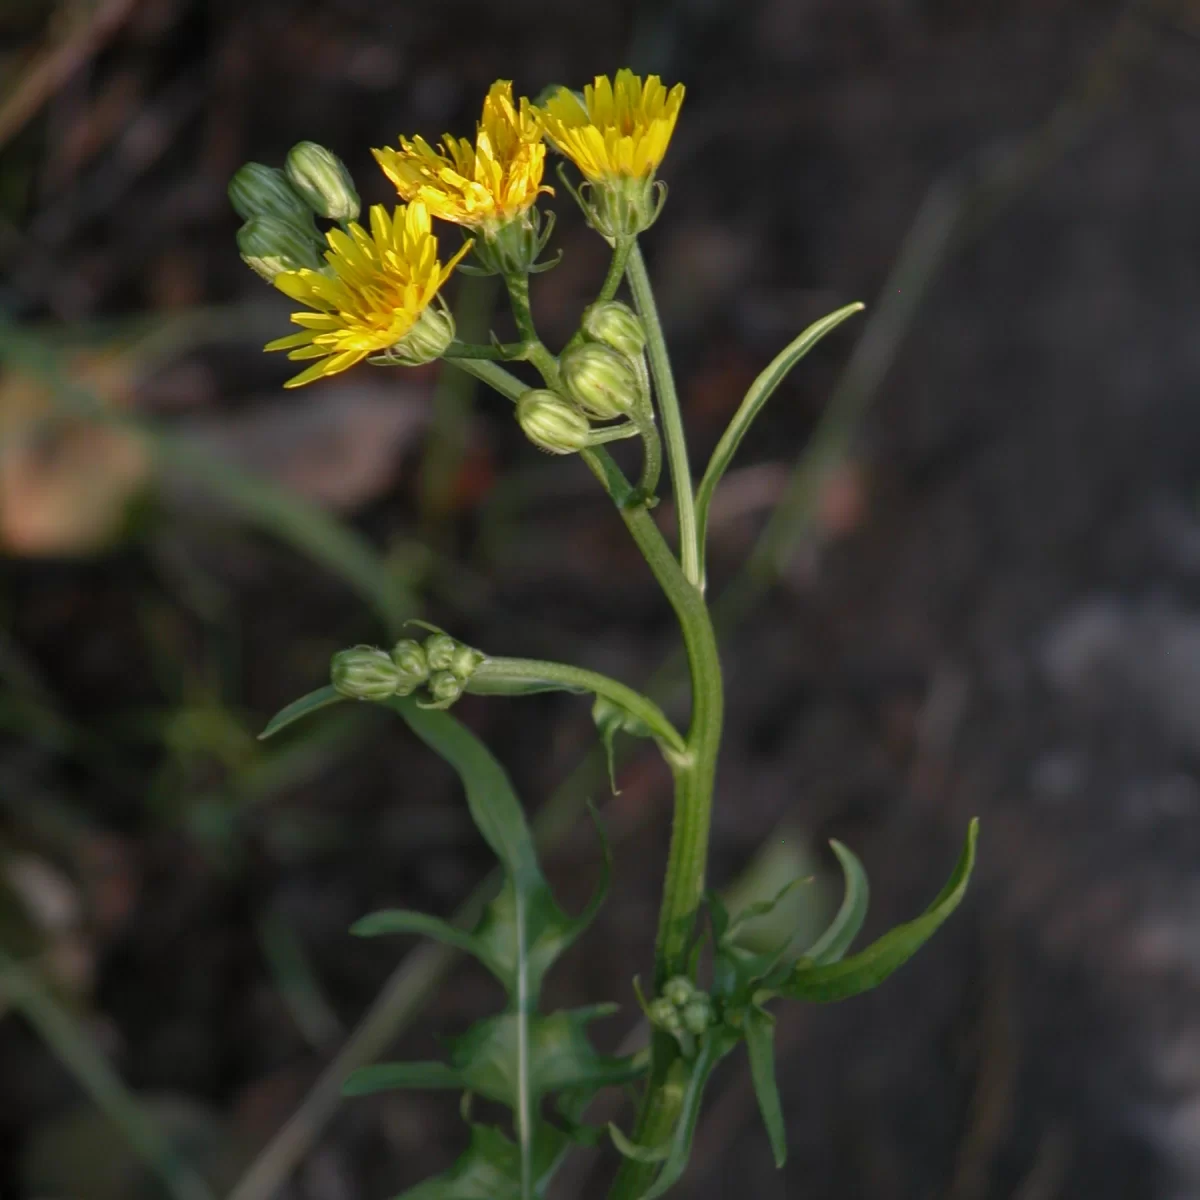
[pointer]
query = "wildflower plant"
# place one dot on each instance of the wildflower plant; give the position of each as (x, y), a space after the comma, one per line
(373, 292)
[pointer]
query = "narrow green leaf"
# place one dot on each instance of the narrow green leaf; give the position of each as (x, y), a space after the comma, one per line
(313, 702)
(712, 1050)
(384, 1077)
(760, 392)
(612, 718)
(642, 1154)
(870, 967)
(844, 927)
(762, 908)
(402, 920)
(760, 1046)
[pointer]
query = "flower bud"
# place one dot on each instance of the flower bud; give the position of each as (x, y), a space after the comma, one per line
(664, 1015)
(440, 649)
(552, 424)
(616, 325)
(269, 245)
(322, 180)
(697, 1014)
(601, 381)
(427, 340)
(411, 665)
(445, 687)
(364, 673)
(257, 190)
(679, 989)
(464, 661)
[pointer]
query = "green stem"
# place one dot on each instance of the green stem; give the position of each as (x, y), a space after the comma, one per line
(494, 375)
(499, 352)
(535, 352)
(616, 269)
(672, 418)
(495, 676)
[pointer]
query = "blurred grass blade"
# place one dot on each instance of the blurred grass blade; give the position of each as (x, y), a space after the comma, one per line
(313, 702)
(386, 1077)
(870, 967)
(77, 1052)
(844, 927)
(760, 392)
(760, 1046)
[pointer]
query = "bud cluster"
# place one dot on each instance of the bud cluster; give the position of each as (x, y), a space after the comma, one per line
(600, 382)
(278, 207)
(440, 664)
(681, 1009)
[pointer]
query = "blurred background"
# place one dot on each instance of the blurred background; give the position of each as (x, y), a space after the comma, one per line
(957, 570)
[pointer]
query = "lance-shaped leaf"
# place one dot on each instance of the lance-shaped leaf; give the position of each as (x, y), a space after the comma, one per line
(677, 1149)
(313, 702)
(490, 1167)
(848, 920)
(760, 392)
(490, 1059)
(870, 967)
(760, 1046)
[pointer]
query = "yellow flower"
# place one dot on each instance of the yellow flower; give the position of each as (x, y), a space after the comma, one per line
(487, 184)
(370, 295)
(620, 128)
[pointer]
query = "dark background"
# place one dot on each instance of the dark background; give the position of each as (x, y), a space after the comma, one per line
(982, 595)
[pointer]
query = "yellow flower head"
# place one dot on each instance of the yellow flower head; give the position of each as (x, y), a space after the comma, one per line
(620, 128)
(372, 292)
(487, 184)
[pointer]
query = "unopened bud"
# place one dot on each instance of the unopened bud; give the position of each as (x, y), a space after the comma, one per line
(257, 190)
(616, 325)
(445, 687)
(427, 340)
(464, 661)
(322, 180)
(411, 665)
(440, 649)
(364, 673)
(679, 989)
(269, 246)
(697, 1014)
(664, 1015)
(601, 381)
(552, 424)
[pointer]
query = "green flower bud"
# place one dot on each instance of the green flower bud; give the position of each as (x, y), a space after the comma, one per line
(364, 673)
(322, 180)
(440, 649)
(664, 1015)
(551, 423)
(464, 661)
(427, 340)
(445, 687)
(679, 989)
(616, 325)
(269, 245)
(411, 664)
(601, 381)
(697, 1014)
(257, 190)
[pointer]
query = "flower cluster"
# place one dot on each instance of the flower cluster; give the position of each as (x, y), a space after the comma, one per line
(369, 291)
(440, 664)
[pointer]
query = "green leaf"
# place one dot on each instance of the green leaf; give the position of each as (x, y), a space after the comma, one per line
(611, 718)
(490, 1167)
(678, 1147)
(402, 920)
(844, 927)
(760, 1046)
(394, 1076)
(630, 1149)
(760, 392)
(313, 702)
(870, 967)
